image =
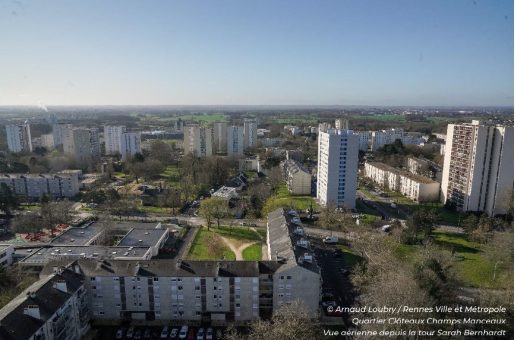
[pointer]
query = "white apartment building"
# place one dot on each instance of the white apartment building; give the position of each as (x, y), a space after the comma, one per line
(234, 141)
(113, 139)
(130, 144)
(478, 167)
(198, 141)
(297, 178)
(249, 133)
(380, 138)
(82, 144)
(364, 140)
(416, 187)
(424, 167)
(47, 141)
(341, 124)
(53, 308)
(220, 135)
(32, 186)
(337, 167)
(58, 131)
(18, 137)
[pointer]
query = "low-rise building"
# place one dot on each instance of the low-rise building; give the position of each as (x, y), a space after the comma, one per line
(424, 167)
(33, 187)
(416, 187)
(297, 178)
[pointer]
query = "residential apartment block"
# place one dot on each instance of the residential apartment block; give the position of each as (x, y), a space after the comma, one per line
(32, 186)
(198, 140)
(234, 141)
(6, 254)
(18, 137)
(416, 187)
(47, 141)
(220, 135)
(478, 167)
(53, 308)
(249, 133)
(337, 167)
(297, 178)
(130, 144)
(380, 138)
(82, 144)
(424, 167)
(113, 139)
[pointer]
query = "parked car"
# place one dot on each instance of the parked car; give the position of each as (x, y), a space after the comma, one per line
(174, 333)
(330, 240)
(209, 334)
(164, 332)
(146, 334)
(183, 333)
(200, 334)
(119, 333)
(137, 334)
(130, 333)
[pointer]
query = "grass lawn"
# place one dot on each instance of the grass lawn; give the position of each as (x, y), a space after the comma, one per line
(381, 118)
(350, 258)
(171, 171)
(155, 210)
(239, 233)
(202, 247)
(119, 174)
(252, 253)
(284, 199)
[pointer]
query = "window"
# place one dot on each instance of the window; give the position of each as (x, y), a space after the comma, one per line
(288, 277)
(156, 279)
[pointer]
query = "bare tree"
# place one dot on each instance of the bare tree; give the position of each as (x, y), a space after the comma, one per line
(54, 213)
(30, 223)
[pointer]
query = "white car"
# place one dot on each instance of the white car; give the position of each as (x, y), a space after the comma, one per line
(200, 334)
(209, 334)
(173, 333)
(164, 332)
(119, 334)
(183, 333)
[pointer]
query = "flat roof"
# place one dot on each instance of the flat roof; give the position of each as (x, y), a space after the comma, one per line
(78, 236)
(44, 255)
(142, 237)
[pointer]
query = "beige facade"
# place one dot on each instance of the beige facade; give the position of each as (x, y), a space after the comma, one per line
(297, 178)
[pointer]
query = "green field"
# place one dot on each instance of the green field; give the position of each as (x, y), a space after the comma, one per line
(284, 199)
(381, 118)
(239, 233)
(252, 253)
(470, 260)
(202, 247)
(295, 120)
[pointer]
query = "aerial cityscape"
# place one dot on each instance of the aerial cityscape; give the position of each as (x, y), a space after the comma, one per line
(156, 185)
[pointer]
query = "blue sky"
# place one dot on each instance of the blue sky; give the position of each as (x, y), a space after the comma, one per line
(360, 52)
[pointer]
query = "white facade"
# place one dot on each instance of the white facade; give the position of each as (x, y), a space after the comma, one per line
(380, 138)
(364, 140)
(478, 167)
(297, 179)
(416, 187)
(234, 141)
(250, 133)
(82, 144)
(198, 141)
(220, 137)
(130, 144)
(113, 139)
(47, 141)
(337, 167)
(341, 124)
(18, 138)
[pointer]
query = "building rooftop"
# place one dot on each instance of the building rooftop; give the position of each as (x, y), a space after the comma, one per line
(283, 241)
(143, 237)
(78, 236)
(169, 268)
(15, 324)
(418, 178)
(44, 255)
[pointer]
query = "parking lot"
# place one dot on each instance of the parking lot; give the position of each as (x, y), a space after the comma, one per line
(156, 332)
(337, 289)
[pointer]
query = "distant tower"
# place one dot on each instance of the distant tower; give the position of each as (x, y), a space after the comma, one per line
(18, 137)
(341, 124)
(249, 133)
